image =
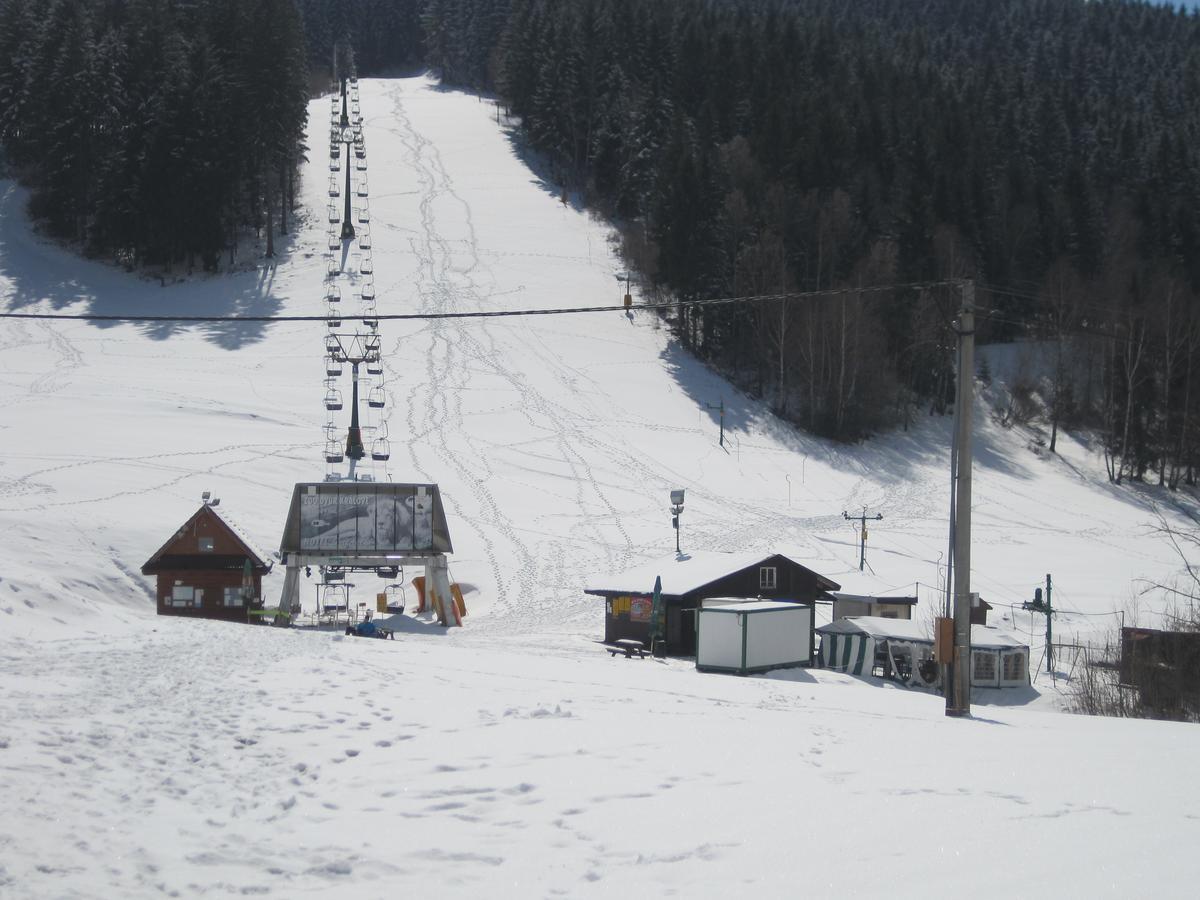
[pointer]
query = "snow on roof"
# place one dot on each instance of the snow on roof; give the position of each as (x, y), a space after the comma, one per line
(856, 585)
(755, 606)
(984, 637)
(680, 574)
(263, 556)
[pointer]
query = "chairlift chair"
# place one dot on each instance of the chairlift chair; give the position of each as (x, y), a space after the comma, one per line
(365, 266)
(364, 214)
(335, 164)
(360, 151)
(361, 165)
(333, 400)
(333, 294)
(371, 321)
(376, 399)
(333, 267)
(332, 347)
(333, 452)
(367, 290)
(334, 214)
(362, 187)
(335, 187)
(335, 240)
(374, 366)
(333, 318)
(364, 238)
(394, 593)
(380, 451)
(332, 368)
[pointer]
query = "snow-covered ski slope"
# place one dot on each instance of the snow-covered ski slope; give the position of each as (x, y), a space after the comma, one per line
(143, 755)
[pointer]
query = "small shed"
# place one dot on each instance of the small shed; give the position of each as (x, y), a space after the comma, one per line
(690, 578)
(209, 569)
(864, 594)
(901, 650)
(754, 636)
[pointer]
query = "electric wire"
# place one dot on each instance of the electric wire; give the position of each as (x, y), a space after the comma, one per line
(489, 314)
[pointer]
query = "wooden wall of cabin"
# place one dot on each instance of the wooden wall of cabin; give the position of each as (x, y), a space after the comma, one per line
(212, 583)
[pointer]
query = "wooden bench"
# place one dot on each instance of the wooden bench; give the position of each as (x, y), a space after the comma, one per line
(628, 646)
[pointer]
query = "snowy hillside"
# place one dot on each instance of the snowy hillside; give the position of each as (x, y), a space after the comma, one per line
(512, 755)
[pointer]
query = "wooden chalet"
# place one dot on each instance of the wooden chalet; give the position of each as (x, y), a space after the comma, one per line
(208, 569)
(688, 580)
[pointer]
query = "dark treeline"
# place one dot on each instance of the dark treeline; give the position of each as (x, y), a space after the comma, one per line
(755, 146)
(152, 131)
(384, 33)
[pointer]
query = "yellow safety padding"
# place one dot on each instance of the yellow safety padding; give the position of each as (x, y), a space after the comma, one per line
(456, 591)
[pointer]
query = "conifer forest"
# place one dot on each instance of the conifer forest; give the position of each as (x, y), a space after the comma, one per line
(1047, 149)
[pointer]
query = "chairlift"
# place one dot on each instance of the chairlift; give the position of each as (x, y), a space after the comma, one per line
(333, 452)
(332, 347)
(371, 321)
(335, 187)
(364, 238)
(394, 594)
(333, 318)
(376, 399)
(365, 266)
(335, 164)
(360, 151)
(333, 294)
(333, 267)
(335, 599)
(362, 187)
(334, 214)
(374, 366)
(332, 368)
(367, 291)
(364, 214)
(371, 346)
(335, 240)
(335, 153)
(361, 165)
(380, 451)
(333, 400)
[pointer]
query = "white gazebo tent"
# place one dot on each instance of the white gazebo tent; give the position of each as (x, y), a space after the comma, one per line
(900, 649)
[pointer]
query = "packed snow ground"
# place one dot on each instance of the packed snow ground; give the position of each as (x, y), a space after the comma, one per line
(142, 755)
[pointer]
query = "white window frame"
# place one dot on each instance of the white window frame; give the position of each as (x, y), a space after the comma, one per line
(233, 596)
(768, 578)
(991, 677)
(1022, 675)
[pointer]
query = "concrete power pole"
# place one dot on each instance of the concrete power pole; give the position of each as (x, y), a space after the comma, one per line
(958, 693)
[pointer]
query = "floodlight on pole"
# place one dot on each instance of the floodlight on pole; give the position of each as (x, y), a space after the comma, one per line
(676, 511)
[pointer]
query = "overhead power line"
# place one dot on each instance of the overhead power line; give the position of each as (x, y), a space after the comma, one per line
(487, 314)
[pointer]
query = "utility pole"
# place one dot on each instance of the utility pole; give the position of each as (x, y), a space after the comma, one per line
(958, 687)
(862, 533)
(1049, 617)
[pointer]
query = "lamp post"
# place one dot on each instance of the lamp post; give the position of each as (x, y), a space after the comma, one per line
(348, 213)
(676, 510)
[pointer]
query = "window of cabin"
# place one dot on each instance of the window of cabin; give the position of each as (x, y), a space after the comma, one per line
(766, 578)
(182, 595)
(233, 597)
(206, 545)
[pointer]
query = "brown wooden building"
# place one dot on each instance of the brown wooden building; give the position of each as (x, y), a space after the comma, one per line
(690, 579)
(209, 570)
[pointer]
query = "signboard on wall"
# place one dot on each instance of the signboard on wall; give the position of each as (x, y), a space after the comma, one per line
(365, 519)
(640, 609)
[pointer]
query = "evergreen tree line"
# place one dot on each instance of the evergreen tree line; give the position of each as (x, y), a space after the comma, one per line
(153, 131)
(754, 146)
(385, 34)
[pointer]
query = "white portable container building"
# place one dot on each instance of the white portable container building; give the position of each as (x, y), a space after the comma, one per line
(753, 637)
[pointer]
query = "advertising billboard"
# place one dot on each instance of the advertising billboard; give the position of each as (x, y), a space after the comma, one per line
(365, 519)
